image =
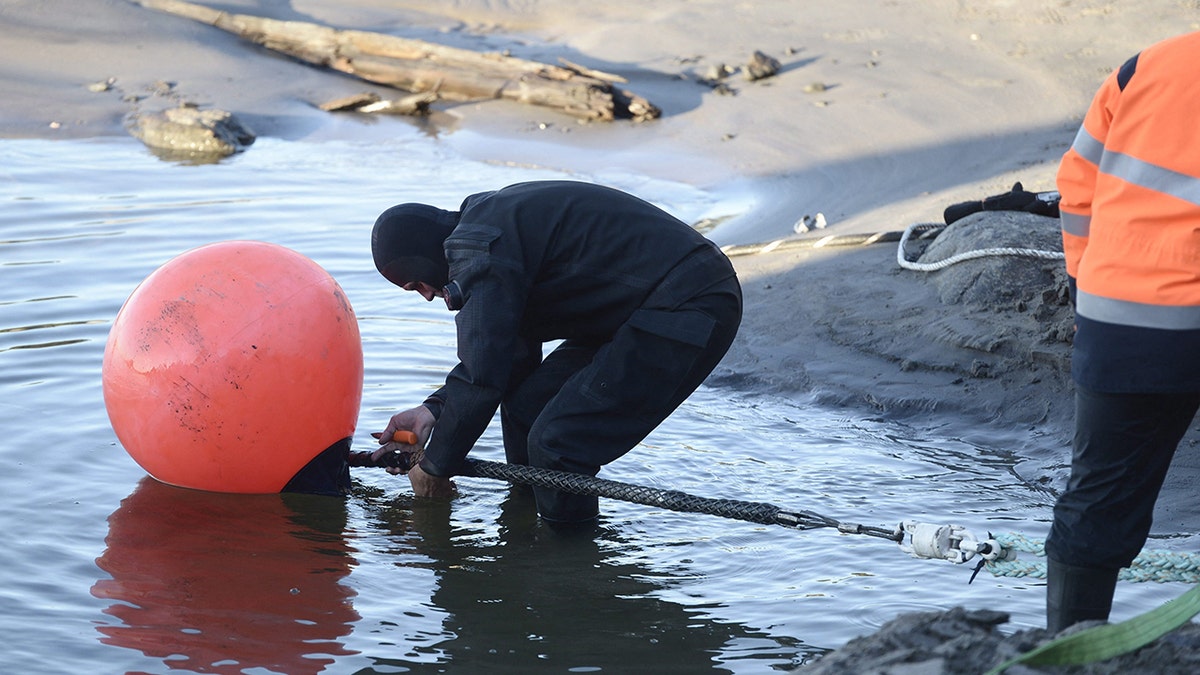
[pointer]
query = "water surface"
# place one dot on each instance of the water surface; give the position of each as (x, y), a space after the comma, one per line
(107, 570)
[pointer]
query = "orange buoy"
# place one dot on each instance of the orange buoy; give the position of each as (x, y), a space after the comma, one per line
(232, 366)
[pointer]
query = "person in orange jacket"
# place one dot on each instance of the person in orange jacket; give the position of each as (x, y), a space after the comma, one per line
(1130, 213)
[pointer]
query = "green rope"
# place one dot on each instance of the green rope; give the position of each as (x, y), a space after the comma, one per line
(1160, 566)
(1101, 643)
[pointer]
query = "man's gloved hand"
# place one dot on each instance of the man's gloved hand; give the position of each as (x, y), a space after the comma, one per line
(1017, 199)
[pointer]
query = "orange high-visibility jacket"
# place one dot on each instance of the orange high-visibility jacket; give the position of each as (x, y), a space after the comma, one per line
(1130, 187)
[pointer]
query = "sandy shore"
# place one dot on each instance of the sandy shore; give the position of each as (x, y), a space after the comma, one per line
(884, 113)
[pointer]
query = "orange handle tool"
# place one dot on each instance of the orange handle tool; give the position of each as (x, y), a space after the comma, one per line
(402, 436)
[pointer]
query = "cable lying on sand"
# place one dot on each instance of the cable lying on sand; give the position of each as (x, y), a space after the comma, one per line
(1016, 199)
(917, 231)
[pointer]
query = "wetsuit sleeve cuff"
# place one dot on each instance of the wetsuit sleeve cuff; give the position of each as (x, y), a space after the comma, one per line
(434, 405)
(434, 470)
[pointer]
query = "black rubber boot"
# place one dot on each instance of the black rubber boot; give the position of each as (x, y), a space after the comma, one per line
(564, 510)
(1076, 594)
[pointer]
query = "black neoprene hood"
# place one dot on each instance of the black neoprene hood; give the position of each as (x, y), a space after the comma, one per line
(407, 244)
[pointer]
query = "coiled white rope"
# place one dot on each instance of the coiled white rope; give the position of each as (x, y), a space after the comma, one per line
(903, 261)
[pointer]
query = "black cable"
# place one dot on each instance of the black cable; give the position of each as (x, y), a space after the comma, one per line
(674, 500)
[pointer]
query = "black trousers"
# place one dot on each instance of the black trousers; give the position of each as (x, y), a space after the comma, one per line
(588, 404)
(1122, 449)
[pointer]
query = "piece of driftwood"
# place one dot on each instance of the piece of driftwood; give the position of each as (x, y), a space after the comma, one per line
(423, 67)
(352, 102)
(414, 104)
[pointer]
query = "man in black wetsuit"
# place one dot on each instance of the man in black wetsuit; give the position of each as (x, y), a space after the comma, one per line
(644, 305)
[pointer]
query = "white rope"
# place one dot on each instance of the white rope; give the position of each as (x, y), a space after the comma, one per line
(907, 264)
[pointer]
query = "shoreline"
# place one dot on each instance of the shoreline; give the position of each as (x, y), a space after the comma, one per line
(880, 116)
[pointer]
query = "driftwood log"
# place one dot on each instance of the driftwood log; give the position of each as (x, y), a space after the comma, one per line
(422, 67)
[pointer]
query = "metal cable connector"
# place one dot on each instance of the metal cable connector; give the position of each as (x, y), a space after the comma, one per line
(950, 542)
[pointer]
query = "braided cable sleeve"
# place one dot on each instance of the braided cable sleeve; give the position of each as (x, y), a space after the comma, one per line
(674, 500)
(754, 512)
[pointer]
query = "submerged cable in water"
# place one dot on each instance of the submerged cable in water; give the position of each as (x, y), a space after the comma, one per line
(674, 500)
(948, 542)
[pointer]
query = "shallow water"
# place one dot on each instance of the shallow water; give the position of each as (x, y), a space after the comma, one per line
(106, 570)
